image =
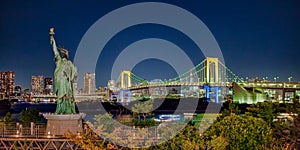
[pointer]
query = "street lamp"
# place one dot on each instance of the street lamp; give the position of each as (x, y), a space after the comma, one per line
(275, 78)
(290, 78)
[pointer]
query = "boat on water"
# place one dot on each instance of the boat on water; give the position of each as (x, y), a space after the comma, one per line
(168, 118)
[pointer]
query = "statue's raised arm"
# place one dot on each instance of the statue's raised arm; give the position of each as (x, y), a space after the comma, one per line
(52, 42)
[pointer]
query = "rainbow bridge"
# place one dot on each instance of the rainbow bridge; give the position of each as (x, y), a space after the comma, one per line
(218, 82)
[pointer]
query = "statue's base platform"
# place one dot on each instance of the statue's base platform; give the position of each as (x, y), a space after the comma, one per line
(61, 124)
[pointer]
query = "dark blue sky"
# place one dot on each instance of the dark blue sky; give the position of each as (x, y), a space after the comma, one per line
(257, 38)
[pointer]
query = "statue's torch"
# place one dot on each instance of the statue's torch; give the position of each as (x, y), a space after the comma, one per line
(51, 33)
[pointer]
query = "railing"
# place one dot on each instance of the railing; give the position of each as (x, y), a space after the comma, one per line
(271, 85)
(17, 130)
(15, 136)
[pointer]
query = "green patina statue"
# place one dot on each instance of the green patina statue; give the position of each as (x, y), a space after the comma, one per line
(65, 75)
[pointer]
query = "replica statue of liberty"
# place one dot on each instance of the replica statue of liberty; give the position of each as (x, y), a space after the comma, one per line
(65, 75)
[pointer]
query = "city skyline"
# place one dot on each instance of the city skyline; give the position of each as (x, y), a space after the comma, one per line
(257, 38)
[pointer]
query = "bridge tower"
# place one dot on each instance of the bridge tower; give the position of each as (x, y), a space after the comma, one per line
(125, 79)
(124, 95)
(212, 70)
(212, 76)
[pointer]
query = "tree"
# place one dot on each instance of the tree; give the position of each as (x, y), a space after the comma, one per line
(106, 121)
(143, 108)
(7, 118)
(287, 130)
(256, 130)
(263, 110)
(232, 132)
(242, 132)
(29, 115)
(87, 140)
(189, 137)
(232, 109)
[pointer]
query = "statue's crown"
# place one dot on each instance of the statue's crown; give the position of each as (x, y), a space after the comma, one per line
(62, 50)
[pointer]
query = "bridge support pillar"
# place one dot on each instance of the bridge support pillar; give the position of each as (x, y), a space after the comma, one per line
(207, 89)
(215, 94)
(125, 96)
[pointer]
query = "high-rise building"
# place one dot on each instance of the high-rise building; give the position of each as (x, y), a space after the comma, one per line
(89, 83)
(18, 90)
(111, 85)
(48, 86)
(37, 85)
(7, 83)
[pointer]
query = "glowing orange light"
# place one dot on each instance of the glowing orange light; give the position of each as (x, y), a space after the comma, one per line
(51, 29)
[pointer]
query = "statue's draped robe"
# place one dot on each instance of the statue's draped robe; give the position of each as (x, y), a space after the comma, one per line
(64, 76)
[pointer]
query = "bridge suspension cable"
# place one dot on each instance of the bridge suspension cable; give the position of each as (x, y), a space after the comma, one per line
(231, 77)
(216, 70)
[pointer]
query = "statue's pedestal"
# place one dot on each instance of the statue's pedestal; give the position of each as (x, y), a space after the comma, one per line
(61, 124)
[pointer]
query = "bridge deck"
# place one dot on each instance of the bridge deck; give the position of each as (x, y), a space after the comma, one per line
(267, 85)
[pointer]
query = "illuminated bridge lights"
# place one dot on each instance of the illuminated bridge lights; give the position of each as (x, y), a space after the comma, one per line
(210, 72)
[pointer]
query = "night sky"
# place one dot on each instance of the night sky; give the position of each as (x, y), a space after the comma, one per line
(257, 38)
